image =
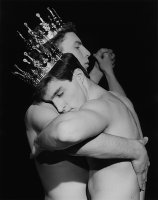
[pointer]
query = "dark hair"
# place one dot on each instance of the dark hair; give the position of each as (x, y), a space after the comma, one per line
(62, 70)
(67, 27)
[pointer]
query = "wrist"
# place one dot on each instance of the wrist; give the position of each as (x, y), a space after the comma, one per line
(138, 149)
(108, 73)
(96, 75)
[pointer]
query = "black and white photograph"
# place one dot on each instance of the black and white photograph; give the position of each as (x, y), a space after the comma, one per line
(79, 100)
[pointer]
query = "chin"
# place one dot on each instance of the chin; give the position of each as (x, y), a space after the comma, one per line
(86, 66)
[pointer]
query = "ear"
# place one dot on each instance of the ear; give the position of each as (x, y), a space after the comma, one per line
(79, 75)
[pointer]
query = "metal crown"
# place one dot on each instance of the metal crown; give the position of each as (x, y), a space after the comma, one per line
(41, 53)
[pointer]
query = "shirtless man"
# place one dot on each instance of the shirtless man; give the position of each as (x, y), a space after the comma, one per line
(88, 110)
(63, 176)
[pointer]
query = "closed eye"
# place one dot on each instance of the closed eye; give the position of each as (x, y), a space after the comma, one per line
(78, 44)
(60, 94)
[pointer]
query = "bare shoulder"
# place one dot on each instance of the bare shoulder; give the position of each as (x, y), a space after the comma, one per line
(100, 105)
(39, 115)
(123, 99)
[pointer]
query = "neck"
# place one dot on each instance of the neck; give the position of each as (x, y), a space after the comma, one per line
(94, 91)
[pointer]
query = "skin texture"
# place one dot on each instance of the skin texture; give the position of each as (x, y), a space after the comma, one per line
(39, 116)
(95, 110)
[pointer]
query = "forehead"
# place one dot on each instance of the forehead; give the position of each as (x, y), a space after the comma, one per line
(54, 86)
(70, 39)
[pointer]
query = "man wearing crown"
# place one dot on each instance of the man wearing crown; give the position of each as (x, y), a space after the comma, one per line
(65, 176)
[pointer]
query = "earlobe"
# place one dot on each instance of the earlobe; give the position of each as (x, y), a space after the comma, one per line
(78, 74)
(81, 79)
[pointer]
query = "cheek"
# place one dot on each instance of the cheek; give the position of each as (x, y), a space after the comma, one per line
(79, 56)
(80, 98)
(77, 98)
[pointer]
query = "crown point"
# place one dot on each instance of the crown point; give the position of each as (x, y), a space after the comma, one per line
(29, 29)
(50, 10)
(21, 35)
(25, 24)
(38, 15)
(39, 56)
(26, 61)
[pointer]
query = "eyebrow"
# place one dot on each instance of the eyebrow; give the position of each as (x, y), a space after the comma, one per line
(78, 42)
(56, 92)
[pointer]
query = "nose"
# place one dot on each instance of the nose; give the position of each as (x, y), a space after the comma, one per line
(85, 52)
(61, 106)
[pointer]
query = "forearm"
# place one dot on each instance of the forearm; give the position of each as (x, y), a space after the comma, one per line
(113, 84)
(51, 138)
(95, 75)
(70, 128)
(108, 146)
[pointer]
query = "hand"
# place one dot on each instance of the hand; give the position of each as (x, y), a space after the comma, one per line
(105, 58)
(96, 74)
(35, 150)
(141, 164)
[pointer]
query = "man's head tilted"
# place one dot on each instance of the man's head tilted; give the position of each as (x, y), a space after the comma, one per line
(46, 45)
(62, 72)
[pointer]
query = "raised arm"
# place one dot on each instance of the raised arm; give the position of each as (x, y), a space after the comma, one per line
(104, 65)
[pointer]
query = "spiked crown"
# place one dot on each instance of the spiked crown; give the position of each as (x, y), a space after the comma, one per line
(41, 54)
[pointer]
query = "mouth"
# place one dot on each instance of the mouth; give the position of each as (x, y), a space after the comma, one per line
(69, 110)
(86, 64)
(73, 109)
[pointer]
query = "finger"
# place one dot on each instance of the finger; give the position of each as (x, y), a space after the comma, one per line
(140, 181)
(146, 171)
(104, 50)
(143, 187)
(100, 51)
(144, 179)
(142, 184)
(96, 64)
(146, 139)
(33, 150)
(109, 53)
(97, 57)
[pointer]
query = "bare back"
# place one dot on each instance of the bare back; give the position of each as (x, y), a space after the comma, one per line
(63, 177)
(63, 180)
(115, 178)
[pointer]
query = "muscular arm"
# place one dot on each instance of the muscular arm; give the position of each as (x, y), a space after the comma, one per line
(71, 128)
(109, 146)
(74, 127)
(102, 146)
(106, 146)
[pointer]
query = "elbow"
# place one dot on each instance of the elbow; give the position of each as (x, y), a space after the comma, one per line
(66, 133)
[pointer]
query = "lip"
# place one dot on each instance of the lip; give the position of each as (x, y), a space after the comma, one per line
(86, 64)
(74, 109)
(69, 110)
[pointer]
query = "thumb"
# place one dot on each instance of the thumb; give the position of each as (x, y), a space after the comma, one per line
(144, 141)
(97, 57)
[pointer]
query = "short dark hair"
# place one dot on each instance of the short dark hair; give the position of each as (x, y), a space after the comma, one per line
(62, 70)
(66, 28)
